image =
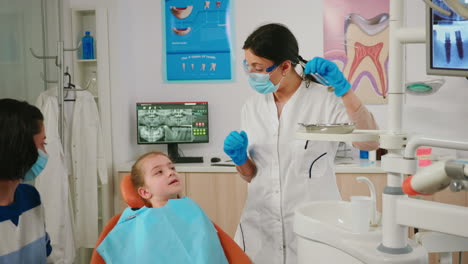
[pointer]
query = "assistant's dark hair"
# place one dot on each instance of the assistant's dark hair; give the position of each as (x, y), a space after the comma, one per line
(277, 43)
(19, 122)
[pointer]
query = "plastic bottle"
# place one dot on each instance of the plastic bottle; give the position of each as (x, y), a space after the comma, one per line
(88, 46)
(363, 154)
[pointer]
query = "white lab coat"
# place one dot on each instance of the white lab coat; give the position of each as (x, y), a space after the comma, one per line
(288, 173)
(89, 163)
(53, 185)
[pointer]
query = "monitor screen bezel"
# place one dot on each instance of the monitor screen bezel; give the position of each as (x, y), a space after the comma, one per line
(430, 70)
(172, 142)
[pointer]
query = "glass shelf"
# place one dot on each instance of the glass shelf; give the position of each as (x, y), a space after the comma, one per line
(356, 135)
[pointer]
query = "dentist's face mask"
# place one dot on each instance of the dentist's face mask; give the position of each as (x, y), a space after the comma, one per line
(260, 82)
(37, 167)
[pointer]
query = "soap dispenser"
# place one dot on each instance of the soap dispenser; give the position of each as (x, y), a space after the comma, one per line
(375, 216)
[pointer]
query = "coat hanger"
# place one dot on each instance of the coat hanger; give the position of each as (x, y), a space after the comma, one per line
(68, 84)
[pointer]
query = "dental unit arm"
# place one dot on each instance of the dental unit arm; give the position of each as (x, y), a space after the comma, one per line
(400, 211)
(437, 177)
(441, 174)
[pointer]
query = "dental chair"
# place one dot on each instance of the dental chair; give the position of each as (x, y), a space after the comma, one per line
(234, 254)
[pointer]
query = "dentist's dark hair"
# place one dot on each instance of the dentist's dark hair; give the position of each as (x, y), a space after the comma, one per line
(277, 43)
(19, 122)
(274, 42)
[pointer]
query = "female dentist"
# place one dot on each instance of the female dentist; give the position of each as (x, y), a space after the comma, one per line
(284, 172)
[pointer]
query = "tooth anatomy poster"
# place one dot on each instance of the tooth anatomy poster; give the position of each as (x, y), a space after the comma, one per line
(197, 40)
(356, 39)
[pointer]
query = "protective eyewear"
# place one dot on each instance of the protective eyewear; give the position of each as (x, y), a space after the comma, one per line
(249, 69)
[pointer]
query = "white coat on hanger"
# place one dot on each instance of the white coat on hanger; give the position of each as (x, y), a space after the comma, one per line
(89, 164)
(53, 185)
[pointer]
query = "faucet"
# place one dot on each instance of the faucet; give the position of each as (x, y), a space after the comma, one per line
(374, 214)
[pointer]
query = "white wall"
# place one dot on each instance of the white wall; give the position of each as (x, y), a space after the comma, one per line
(20, 29)
(136, 56)
(141, 74)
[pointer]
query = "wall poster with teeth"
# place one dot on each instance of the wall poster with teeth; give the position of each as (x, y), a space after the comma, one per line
(197, 37)
(356, 36)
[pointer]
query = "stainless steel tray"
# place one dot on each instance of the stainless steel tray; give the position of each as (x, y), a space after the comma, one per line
(340, 128)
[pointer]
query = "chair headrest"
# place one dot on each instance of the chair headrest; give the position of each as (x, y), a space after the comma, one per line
(129, 194)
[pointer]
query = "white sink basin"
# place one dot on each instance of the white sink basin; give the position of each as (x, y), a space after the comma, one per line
(324, 235)
(330, 221)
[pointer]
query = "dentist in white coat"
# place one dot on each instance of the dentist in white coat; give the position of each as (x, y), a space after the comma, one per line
(284, 172)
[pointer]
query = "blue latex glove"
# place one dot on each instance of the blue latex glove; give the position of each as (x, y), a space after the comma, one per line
(330, 72)
(235, 146)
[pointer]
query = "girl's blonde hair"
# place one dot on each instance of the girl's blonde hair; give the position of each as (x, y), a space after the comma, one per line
(137, 174)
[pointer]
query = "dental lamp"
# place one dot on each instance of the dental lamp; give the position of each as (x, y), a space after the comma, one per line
(456, 5)
(437, 177)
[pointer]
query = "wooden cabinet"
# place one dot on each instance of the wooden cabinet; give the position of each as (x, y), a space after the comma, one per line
(221, 195)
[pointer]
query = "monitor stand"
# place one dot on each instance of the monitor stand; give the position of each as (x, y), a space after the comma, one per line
(173, 152)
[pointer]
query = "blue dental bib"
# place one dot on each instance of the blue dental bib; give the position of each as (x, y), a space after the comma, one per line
(179, 232)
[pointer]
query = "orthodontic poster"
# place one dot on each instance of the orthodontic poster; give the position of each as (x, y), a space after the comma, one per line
(356, 36)
(197, 40)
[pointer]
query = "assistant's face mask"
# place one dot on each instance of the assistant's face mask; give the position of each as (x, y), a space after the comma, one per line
(37, 167)
(260, 82)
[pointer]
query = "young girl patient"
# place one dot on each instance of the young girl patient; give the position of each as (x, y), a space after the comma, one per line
(172, 231)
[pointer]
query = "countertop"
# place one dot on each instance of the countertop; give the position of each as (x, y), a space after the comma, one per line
(358, 166)
(342, 166)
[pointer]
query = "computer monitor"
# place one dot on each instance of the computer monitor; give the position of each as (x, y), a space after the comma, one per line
(447, 42)
(172, 123)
